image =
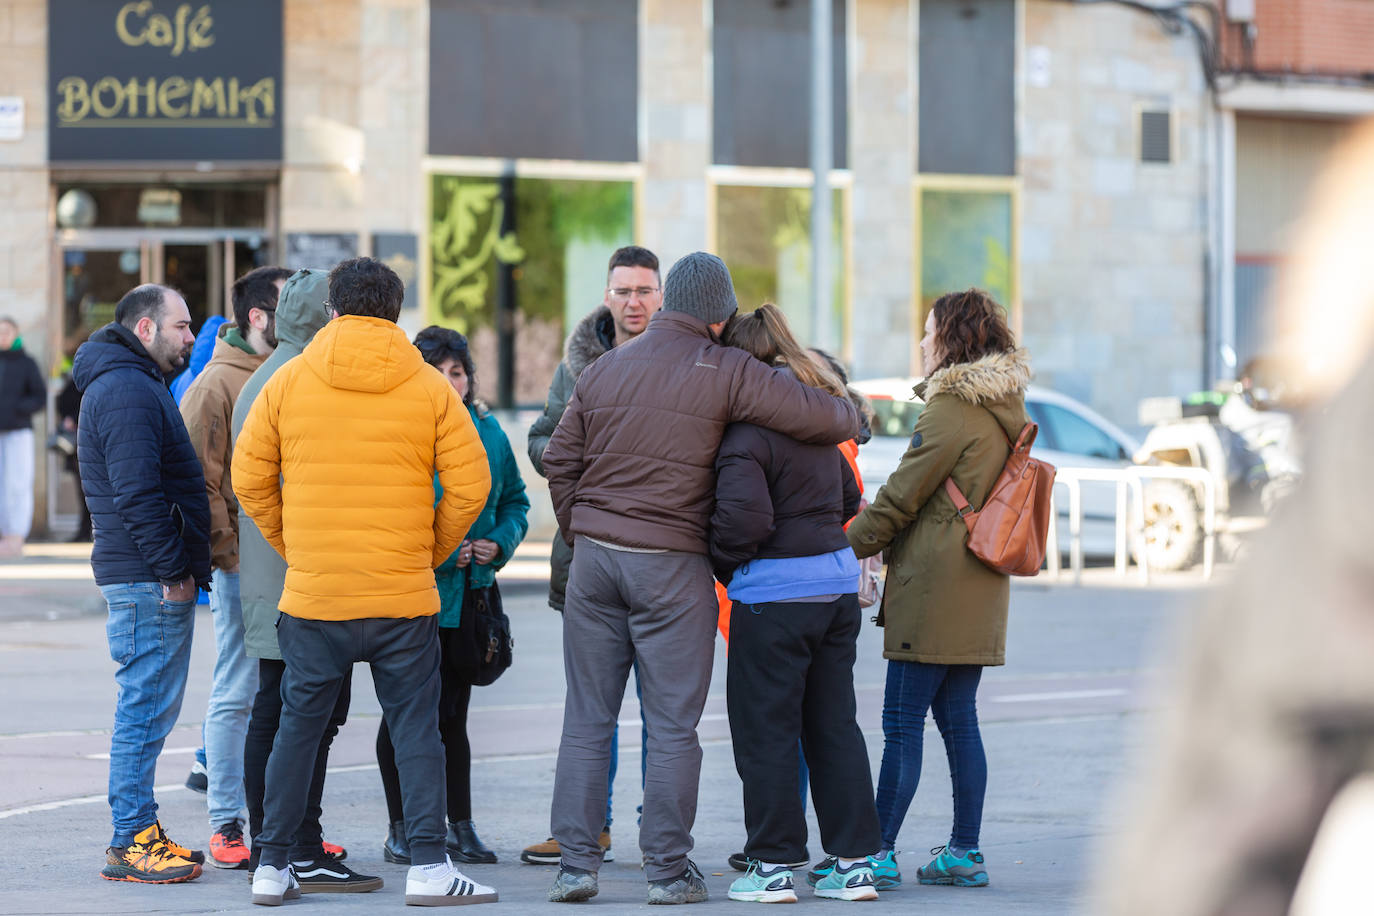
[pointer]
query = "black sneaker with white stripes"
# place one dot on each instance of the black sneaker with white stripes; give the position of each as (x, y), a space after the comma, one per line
(443, 885)
(326, 875)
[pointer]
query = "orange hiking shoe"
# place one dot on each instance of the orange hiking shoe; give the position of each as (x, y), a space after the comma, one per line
(147, 860)
(190, 855)
(227, 849)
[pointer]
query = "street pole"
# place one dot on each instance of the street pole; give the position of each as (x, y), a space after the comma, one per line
(821, 142)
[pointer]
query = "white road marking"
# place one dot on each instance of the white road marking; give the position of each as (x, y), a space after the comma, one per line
(165, 750)
(1061, 695)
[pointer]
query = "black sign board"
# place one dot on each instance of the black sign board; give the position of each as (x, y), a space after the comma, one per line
(319, 250)
(160, 80)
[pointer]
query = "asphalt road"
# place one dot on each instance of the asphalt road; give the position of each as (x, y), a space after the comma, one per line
(1063, 722)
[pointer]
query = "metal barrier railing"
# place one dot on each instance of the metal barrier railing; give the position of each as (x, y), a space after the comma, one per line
(1128, 480)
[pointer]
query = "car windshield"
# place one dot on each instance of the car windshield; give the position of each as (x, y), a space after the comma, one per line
(894, 418)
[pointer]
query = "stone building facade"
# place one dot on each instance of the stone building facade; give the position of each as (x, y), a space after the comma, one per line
(1074, 158)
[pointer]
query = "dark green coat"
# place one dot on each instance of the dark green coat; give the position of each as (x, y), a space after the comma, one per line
(593, 336)
(941, 604)
(504, 519)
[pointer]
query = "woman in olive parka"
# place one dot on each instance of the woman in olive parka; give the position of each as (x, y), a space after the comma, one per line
(944, 613)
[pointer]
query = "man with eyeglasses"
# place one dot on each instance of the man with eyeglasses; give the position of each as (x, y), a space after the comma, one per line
(633, 294)
(206, 408)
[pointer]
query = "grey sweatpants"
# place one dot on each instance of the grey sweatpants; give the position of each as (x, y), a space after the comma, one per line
(660, 608)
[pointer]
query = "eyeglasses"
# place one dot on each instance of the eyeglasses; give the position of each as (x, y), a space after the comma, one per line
(623, 293)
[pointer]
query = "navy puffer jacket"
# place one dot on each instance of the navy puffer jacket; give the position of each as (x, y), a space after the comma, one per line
(141, 477)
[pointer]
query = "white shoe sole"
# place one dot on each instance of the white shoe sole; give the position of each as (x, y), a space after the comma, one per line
(849, 893)
(449, 899)
(764, 896)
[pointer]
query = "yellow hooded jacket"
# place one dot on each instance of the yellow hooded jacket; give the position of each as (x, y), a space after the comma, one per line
(336, 464)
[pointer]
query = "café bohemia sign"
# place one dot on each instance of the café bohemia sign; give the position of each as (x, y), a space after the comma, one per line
(157, 80)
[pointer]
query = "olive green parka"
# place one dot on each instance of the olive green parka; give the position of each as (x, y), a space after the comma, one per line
(941, 605)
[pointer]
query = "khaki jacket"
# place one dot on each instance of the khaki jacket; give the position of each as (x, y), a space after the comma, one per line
(633, 459)
(941, 604)
(208, 408)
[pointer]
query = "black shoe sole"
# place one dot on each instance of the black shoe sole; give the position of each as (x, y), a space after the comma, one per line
(481, 858)
(393, 857)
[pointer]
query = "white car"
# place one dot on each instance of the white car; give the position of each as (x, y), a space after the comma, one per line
(1071, 435)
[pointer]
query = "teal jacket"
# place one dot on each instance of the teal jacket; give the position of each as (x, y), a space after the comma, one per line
(503, 520)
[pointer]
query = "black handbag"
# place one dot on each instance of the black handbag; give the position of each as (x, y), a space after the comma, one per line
(482, 651)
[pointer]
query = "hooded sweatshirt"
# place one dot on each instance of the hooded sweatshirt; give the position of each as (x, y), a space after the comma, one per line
(336, 464)
(262, 571)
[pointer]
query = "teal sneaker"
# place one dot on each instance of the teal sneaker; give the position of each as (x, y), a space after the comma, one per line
(759, 886)
(961, 871)
(852, 883)
(886, 875)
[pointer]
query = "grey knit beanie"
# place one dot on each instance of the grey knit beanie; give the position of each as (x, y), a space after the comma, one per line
(699, 285)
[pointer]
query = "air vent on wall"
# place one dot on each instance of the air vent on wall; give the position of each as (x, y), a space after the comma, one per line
(1155, 143)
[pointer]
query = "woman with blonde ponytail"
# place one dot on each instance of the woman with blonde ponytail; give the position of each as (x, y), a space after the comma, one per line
(778, 543)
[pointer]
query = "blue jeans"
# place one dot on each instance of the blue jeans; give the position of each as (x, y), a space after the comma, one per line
(950, 691)
(150, 640)
(231, 700)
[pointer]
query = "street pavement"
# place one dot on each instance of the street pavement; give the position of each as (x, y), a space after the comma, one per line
(1063, 724)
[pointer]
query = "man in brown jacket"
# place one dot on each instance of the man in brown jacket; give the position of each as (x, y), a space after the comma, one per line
(207, 408)
(631, 470)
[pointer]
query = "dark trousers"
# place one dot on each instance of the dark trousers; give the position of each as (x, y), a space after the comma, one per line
(790, 675)
(453, 731)
(404, 655)
(951, 693)
(257, 746)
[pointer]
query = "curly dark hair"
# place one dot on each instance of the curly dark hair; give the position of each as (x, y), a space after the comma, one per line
(439, 345)
(968, 326)
(366, 286)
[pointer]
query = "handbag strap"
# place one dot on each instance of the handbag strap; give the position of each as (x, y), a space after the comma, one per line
(965, 510)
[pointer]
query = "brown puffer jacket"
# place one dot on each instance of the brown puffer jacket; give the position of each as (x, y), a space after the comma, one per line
(633, 460)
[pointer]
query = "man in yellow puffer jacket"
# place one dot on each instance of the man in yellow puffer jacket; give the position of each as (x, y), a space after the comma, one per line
(336, 465)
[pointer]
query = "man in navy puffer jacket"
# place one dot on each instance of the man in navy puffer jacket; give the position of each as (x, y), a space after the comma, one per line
(146, 493)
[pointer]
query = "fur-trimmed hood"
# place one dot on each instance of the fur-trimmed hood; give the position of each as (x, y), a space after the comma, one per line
(987, 379)
(593, 336)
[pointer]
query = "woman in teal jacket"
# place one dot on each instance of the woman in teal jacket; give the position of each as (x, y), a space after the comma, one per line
(465, 577)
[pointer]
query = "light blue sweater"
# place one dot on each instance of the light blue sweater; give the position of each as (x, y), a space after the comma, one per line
(789, 578)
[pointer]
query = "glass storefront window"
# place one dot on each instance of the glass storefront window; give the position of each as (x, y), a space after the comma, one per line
(764, 236)
(187, 206)
(553, 261)
(966, 240)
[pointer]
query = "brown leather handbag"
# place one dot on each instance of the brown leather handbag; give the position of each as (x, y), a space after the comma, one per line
(1008, 534)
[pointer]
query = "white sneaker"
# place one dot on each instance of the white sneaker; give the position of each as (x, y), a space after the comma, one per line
(443, 885)
(273, 885)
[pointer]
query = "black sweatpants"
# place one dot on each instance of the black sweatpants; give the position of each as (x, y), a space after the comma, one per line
(453, 730)
(790, 675)
(257, 747)
(319, 654)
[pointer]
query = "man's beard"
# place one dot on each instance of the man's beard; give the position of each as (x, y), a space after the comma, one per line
(269, 334)
(169, 357)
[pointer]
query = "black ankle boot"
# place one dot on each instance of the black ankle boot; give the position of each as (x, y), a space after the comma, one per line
(396, 849)
(464, 845)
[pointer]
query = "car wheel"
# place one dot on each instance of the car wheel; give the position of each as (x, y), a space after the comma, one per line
(1173, 525)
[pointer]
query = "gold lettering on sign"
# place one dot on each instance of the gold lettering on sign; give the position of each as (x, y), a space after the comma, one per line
(172, 99)
(136, 24)
(75, 99)
(172, 89)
